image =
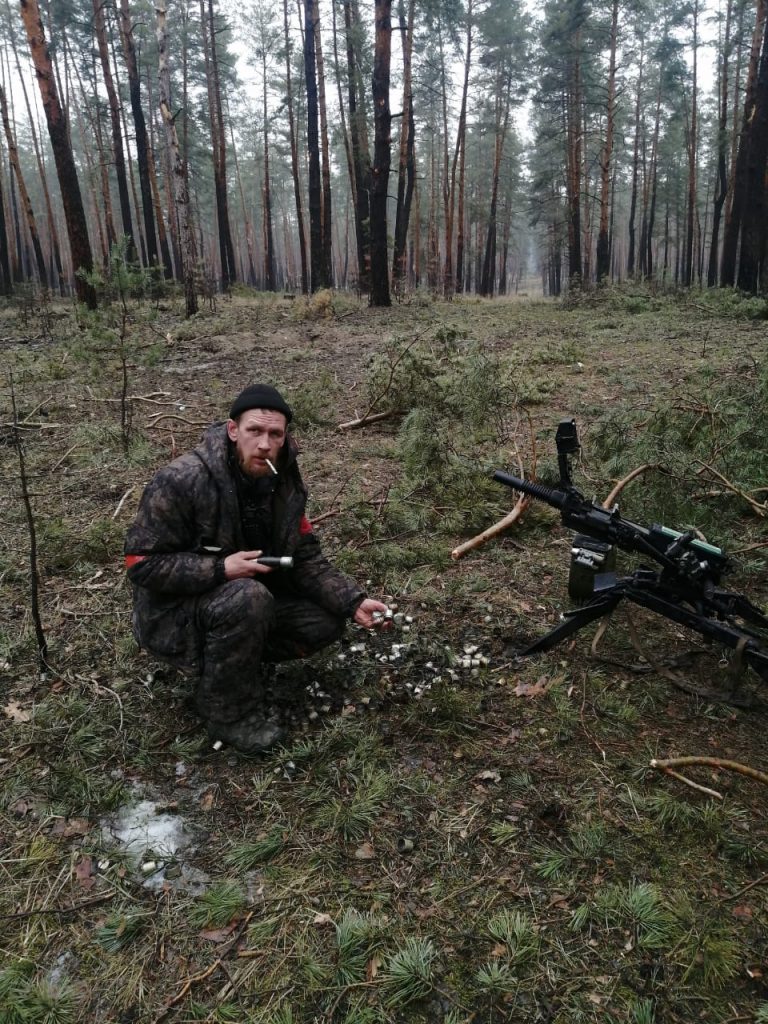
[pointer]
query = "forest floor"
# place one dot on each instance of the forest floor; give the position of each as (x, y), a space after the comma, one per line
(451, 833)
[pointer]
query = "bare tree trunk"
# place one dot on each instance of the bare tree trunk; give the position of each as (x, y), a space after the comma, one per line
(753, 239)
(360, 152)
(574, 143)
(381, 154)
(635, 162)
(74, 212)
(327, 220)
(99, 26)
(218, 146)
(180, 183)
(406, 177)
(52, 230)
(693, 145)
(721, 181)
(733, 226)
(26, 202)
(162, 234)
(603, 255)
(269, 246)
(449, 281)
(295, 158)
(313, 146)
(140, 126)
(502, 102)
(6, 279)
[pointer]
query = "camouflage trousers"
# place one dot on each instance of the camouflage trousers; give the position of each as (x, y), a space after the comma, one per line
(241, 625)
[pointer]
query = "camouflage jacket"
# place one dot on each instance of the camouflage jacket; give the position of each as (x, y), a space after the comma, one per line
(187, 523)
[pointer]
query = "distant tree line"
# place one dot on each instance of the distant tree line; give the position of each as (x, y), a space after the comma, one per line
(289, 167)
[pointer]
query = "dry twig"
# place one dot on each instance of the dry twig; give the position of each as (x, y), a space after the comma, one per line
(712, 762)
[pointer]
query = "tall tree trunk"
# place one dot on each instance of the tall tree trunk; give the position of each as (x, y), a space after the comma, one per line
(6, 278)
(140, 126)
(733, 226)
(502, 102)
(635, 162)
(406, 164)
(100, 29)
(269, 245)
(26, 202)
(603, 254)
(51, 220)
(693, 147)
(327, 218)
(77, 228)
(381, 154)
(180, 183)
(313, 147)
(449, 278)
(295, 158)
(574, 144)
(360, 151)
(753, 240)
(218, 146)
(721, 181)
(162, 234)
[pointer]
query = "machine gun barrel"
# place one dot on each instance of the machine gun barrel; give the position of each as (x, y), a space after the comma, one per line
(551, 495)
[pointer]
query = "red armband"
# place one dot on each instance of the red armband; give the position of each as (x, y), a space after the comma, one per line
(305, 526)
(131, 560)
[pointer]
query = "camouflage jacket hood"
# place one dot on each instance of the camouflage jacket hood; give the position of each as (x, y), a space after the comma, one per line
(188, 521)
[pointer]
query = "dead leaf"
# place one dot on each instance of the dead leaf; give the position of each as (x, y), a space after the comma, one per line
(364, 852)
(743, 912)
(488, 776)
(16, 713)
(84, 873)
(20, 808)
(208, 799)
(67, 827)
(219, 934)
(533, 689)
(322, 920)
(372, 967)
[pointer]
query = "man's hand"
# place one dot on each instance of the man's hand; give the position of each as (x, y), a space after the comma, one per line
(243, 565)
(364, 614)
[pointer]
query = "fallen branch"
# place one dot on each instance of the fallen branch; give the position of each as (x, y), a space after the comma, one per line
(712, 762)
(120, 503)
(761, 510)
(493, 531)
(154, 420)
(610, 500)
(363, 421)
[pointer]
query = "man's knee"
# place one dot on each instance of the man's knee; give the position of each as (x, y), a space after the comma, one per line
(237, 604)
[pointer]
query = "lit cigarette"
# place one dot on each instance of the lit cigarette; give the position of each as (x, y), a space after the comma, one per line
(271, 466)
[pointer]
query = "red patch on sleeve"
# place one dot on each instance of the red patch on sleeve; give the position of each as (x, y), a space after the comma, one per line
(131, 560)
(305, 526)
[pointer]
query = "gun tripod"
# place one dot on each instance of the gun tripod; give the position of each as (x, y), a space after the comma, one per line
(647, 589)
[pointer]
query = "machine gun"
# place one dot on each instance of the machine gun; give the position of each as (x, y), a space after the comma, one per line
(684, 588)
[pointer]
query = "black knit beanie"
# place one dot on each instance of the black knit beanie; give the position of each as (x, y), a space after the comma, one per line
(260, 396)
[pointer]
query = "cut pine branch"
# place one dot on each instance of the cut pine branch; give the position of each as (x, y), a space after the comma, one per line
(492, 531)
(711, 762)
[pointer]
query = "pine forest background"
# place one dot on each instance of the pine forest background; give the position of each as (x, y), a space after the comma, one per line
(474, 146)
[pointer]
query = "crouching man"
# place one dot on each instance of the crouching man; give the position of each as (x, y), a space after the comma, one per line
(203, 601)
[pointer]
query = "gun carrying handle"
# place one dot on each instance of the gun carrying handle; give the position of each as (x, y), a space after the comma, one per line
(567, 441)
